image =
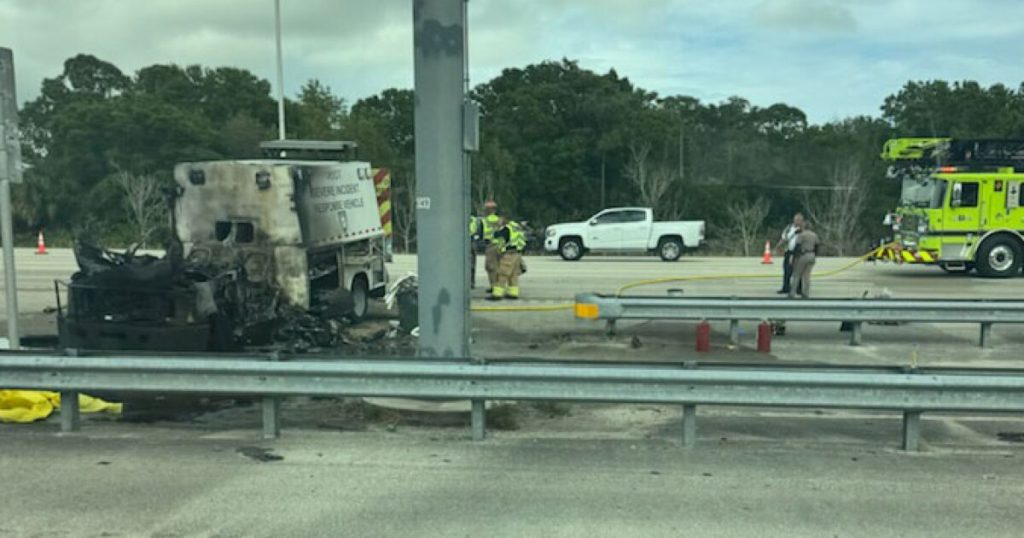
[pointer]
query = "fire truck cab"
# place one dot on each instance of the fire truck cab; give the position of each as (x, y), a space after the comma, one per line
(961, 204)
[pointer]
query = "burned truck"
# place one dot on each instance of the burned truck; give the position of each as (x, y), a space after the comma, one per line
(291, 243)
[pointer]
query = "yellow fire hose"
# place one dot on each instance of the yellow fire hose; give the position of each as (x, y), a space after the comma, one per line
(692, 278)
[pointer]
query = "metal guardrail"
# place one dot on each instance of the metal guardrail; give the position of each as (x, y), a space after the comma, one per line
(690, 385)
(854, 311)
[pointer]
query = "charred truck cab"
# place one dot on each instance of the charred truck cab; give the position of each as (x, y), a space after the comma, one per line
(291, 242)
(309, 229)
(961, 204)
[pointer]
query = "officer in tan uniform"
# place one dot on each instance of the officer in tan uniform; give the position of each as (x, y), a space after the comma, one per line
(807, 243)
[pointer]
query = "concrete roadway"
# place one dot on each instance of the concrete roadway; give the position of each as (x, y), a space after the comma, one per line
(170, 481)
(551, 279)
(596, 470)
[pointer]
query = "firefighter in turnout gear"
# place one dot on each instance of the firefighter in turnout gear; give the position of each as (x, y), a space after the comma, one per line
(509, 241)
(481, 231)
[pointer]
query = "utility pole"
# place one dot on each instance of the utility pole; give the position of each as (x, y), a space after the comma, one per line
(442, 196)
(10, 172)
(280, 71)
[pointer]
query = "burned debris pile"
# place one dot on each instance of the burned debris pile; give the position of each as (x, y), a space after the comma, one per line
(132, 301)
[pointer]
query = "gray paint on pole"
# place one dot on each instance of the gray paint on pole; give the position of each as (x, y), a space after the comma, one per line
(442, 195)
(10, 171)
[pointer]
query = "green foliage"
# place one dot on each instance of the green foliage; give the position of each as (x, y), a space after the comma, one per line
(559, 142)
(321, 114)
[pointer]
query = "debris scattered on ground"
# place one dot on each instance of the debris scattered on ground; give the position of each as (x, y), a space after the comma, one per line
(882, 294)
(259, 454)
(635, 343)
(404, 292)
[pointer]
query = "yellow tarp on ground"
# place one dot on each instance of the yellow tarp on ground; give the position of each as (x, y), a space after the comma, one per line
(24, 406)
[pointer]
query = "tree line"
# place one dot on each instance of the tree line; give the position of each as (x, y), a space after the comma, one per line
(558, 142)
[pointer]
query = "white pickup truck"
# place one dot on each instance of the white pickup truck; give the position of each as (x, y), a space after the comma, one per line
(624, 229)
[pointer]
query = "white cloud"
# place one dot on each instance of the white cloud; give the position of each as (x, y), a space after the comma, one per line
(832, 58)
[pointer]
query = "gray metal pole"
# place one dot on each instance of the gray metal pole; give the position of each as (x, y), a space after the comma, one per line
(280, 71)
(9, 159)
(442, 204)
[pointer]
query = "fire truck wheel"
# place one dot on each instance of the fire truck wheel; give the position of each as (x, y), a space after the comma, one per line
(999, 257)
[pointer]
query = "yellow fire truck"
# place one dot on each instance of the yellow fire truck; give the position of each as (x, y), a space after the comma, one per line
(961, 204)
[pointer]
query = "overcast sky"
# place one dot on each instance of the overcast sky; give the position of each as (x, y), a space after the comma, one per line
(832, 58)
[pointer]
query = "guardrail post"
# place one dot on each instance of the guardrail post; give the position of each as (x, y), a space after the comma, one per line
(271, 410)
(689, 425)
(856, 333)
(986, 335)
(478, 419)
(610, 328)
(69, 412)
(271, 417)
(911, 430)
(734, 332)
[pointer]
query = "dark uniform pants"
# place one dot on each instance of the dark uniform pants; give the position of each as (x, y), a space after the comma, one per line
(787, 271)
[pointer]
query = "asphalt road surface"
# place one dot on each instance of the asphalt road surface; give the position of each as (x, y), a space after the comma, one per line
(586, 470)
(168, 481)
(550, 278)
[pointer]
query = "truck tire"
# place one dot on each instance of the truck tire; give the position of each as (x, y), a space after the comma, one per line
(360, 299)
(670, 249)
(571, 249)
(999, 257)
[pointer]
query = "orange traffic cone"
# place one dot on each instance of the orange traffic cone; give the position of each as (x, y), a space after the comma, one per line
(767, 258)
(41, 244)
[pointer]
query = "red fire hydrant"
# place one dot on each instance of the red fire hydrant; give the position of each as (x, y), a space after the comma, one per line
(704, 337)
(764, 337)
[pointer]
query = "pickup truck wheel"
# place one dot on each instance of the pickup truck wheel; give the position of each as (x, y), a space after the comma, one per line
(999, 257)
(670, 249)
(570, 249)
(360, 299)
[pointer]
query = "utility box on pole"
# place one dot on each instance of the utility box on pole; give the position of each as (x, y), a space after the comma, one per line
(442, 195)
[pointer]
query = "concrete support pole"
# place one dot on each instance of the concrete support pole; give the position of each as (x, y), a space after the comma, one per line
(911, 430)
(10, 157)
(442, 195)
(689, 425)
